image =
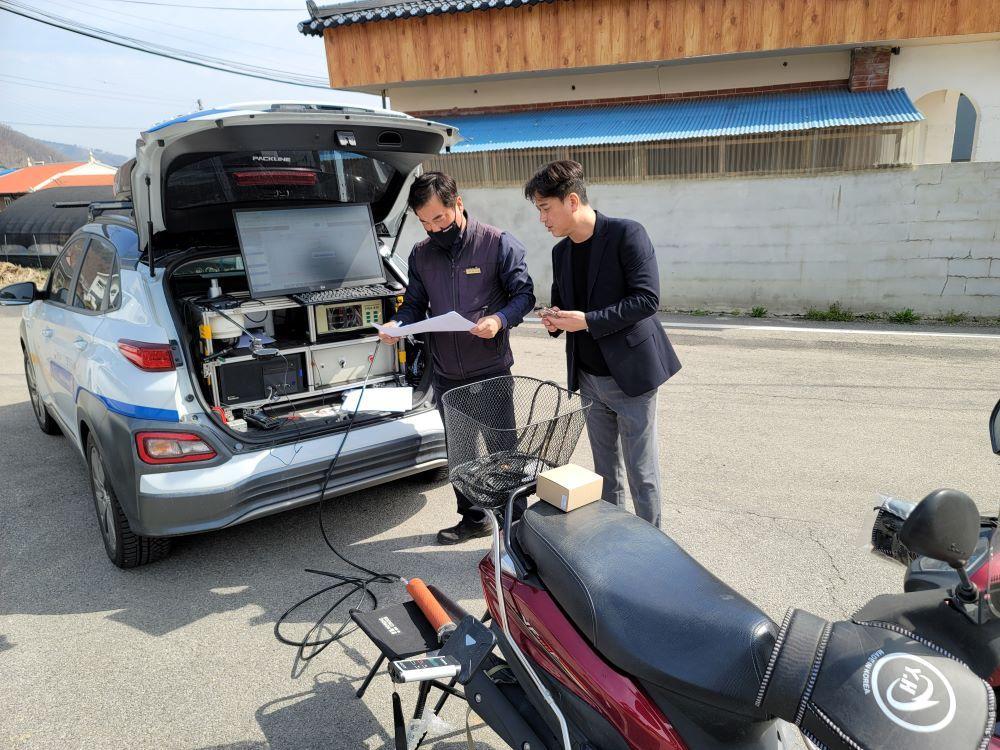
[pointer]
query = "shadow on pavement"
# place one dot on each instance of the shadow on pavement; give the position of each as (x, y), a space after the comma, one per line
(54, 561)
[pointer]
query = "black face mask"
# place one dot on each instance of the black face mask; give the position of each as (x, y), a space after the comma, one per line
(446, 237)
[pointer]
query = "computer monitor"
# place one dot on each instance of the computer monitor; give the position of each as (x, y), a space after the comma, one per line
(295, 250)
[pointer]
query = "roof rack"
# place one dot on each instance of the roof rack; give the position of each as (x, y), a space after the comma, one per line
(95, 208)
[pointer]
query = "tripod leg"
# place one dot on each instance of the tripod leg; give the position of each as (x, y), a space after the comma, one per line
(398, 723)
(444, 696)
(425, 690)
(368, 679)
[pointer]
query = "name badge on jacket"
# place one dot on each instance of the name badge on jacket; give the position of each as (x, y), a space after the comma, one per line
(472, 270)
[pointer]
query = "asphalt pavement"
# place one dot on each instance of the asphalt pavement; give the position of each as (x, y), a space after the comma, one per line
(773, 442)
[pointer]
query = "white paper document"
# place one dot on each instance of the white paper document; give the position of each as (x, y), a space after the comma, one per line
(451, 321)
(379, 399)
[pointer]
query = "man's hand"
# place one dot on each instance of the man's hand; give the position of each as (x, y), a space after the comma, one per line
(385, 338)
(487, 327)
(566, 320)
(547, 313)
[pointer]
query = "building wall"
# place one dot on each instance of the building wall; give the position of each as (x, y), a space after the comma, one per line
(625, 82)
(924, 238)
(934, 75)
(598, 33)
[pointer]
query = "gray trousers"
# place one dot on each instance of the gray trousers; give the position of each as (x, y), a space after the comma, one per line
(623, 427)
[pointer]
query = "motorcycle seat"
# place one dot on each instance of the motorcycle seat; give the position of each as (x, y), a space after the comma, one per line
(648, 607)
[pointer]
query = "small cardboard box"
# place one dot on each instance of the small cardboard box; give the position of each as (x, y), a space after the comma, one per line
(570, 486)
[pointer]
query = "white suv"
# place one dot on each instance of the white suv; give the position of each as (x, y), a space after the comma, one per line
(125, 354)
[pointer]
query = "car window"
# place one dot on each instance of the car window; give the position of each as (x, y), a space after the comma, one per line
(114, 288)
(95, 274)
(289, 175)
(64, 269)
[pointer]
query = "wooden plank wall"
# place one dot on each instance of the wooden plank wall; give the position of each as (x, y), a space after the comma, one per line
(594, 33)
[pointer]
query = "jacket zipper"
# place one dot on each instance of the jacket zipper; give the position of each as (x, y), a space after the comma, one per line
(454, 306)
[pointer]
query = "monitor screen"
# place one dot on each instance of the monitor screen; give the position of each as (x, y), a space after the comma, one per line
(293, 250)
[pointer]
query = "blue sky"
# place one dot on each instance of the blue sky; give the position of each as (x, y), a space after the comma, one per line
(59, 86)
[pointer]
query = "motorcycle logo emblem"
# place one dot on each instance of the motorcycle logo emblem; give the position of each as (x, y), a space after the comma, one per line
(913, 693)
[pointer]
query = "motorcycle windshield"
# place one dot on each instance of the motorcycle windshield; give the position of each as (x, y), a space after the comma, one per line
(993, 574)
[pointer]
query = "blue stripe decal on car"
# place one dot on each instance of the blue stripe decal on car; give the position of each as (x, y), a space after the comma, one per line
(186, 118)
(141, 412)
(134, 410)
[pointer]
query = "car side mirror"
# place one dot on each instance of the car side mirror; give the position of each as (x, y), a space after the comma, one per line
(995, 428)
(944, 526)
(22, 293)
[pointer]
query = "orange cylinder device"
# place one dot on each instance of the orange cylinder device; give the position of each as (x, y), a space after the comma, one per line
(433, 611)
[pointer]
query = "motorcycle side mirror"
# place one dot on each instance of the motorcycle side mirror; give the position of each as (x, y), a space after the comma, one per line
(995, 428)
(945, 526)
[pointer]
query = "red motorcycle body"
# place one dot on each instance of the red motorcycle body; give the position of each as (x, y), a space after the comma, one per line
(545, 635)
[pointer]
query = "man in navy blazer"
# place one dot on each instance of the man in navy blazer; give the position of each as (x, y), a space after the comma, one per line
(605, 295)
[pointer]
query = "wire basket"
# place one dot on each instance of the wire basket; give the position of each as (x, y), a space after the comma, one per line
(503, 431)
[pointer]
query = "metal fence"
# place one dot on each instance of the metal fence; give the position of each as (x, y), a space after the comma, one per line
(805, 152)
(37, 249)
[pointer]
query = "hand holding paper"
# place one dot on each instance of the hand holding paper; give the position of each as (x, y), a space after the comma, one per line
(451, 321)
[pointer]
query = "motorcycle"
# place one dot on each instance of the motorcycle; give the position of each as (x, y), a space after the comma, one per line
(603, 634)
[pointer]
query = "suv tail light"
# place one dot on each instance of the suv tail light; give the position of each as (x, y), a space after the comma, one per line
(149, 357)
(172, 447)
(275, 177)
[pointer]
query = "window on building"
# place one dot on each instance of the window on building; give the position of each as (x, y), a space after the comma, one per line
(801, 152)
(965, 130)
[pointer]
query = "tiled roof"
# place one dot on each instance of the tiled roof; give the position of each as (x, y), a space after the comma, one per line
(366, 11)
(63, 174)
(25, 180)
(82, 180)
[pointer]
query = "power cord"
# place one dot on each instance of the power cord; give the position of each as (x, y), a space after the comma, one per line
(359, 585)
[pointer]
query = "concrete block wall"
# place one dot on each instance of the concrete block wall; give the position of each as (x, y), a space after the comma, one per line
(926, 238)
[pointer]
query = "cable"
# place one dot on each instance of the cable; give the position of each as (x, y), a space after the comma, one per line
(357, 584)
(58, 125)
(118, 16)
(36, 83)
(191, 58)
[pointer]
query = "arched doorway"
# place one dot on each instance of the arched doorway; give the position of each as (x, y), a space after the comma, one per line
(950, 127)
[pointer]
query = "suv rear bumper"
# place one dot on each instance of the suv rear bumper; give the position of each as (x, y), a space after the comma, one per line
(259, 483)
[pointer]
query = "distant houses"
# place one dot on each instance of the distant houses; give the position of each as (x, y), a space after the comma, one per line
(17, 182)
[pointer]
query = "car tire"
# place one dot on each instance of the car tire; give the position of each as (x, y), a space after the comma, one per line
(45, 421)
(125, 548)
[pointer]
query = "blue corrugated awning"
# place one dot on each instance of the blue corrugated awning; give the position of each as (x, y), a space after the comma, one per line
(680, 120)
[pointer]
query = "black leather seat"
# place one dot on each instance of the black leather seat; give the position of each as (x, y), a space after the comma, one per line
(649, 608)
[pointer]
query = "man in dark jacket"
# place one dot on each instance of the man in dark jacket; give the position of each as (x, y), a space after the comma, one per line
(605, 295)
(480, 272)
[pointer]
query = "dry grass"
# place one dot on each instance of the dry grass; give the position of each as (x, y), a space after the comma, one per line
(11, 274)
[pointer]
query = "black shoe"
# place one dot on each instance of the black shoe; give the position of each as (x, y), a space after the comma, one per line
(463, 531)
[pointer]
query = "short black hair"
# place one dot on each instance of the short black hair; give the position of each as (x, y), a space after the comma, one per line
(557, 179)
(429, 184)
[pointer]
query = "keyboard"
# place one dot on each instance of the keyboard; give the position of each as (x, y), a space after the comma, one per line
(344, 294)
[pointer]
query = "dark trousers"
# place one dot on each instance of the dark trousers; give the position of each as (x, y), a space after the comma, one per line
(470, 512)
